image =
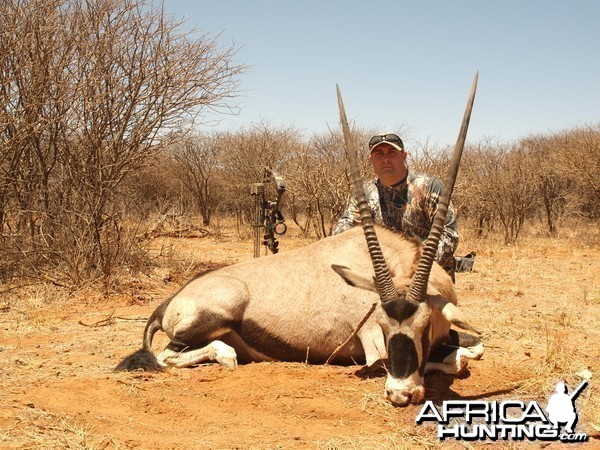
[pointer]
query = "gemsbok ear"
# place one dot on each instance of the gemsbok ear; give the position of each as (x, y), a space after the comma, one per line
(356, 279)
(449, 310)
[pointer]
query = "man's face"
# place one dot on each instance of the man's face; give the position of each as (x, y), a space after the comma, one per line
(389, 164)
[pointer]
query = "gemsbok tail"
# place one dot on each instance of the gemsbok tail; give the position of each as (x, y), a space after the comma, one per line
(144, 359)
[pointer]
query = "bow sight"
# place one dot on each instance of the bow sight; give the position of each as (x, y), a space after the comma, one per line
(267, 213)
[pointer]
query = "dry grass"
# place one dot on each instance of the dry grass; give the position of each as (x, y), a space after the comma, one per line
(36, 428)
(541, 299)
(31, 304)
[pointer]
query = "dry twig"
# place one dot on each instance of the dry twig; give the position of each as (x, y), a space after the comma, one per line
(354, 333)
(110, 320)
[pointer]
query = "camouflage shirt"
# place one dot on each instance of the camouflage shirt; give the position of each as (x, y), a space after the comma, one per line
(408, 207)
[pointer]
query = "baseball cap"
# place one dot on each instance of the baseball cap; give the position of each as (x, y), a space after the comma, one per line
(386, 138)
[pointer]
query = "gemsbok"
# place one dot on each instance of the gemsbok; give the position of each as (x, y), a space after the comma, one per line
(301, 305)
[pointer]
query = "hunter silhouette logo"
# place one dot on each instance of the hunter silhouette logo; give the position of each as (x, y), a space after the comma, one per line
(561, 406)
(508, 419)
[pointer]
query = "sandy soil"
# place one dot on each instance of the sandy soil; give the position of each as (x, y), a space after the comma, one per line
(538, 304)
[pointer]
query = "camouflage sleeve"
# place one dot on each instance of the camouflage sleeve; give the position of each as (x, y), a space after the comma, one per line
(448, 241)
(346, 220)
(350, 217)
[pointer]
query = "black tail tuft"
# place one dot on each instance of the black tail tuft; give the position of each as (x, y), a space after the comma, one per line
(141, 360)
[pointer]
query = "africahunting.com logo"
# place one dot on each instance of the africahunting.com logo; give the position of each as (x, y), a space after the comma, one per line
(473, 420)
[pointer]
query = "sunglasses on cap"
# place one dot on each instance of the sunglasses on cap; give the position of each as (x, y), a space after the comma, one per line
(391, 138)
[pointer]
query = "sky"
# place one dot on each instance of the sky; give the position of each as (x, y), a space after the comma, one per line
(409, 65)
